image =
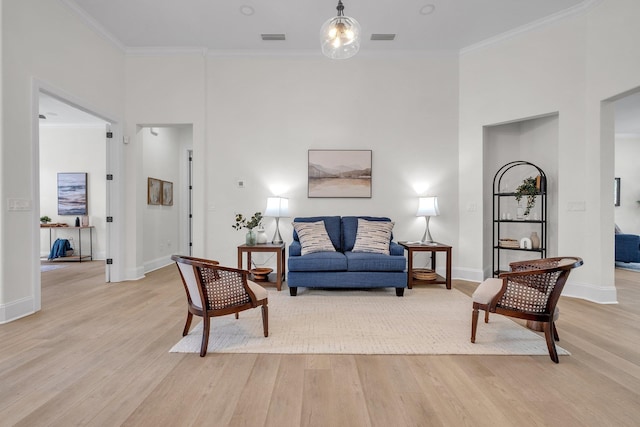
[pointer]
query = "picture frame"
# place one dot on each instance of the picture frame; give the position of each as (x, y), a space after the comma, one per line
(339, 173)
(72, 193)
(616, 192)
(167, 193)
(154, 191)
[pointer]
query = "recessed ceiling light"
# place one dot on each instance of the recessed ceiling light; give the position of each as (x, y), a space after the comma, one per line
(246, 10)
(427, 9)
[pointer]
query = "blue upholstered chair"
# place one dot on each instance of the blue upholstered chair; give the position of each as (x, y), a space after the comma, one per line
(627, 248)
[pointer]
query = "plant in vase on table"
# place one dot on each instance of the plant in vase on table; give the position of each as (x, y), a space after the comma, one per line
(249, 224)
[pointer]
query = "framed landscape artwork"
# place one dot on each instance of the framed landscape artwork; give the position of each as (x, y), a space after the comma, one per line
(339, 173)
(154, 191)
(72, 193)
(167, 193)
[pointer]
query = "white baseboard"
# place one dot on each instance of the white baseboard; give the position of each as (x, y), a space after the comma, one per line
(589, 292)
(157, 263)
(16, 310)
(470, 274)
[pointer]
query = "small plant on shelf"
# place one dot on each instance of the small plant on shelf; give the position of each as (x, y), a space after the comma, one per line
(527, 188)
(45, 219)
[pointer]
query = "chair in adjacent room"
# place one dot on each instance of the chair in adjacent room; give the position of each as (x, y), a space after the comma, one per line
(214, 290)
(529, 291)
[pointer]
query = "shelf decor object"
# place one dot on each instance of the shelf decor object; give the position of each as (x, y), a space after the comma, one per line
(427, 207)
(533, 220)
(340, 36)
(277, 207)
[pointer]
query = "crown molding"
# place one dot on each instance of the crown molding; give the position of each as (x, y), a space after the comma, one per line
(563, 14)
(93, 24)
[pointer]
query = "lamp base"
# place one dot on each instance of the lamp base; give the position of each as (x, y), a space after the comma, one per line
(277, 239)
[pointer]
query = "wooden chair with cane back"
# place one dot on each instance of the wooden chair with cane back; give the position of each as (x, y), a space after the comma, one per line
(213, 290)
(529, 291)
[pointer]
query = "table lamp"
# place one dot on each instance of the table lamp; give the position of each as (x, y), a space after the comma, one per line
(277, 207)
(427, 207)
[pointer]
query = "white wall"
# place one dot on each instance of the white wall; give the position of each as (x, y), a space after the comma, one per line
(163, 158)
(265, 114)
(41, 41)
(627, 215)
(569, 67)
(74, 149)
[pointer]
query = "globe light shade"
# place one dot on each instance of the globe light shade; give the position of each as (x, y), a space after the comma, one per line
(340, 37)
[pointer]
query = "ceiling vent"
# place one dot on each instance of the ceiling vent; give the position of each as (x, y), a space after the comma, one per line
(388, 37)
(272, 37)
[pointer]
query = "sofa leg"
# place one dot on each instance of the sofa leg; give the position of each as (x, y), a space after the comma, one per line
(293, 291)
(399, 292)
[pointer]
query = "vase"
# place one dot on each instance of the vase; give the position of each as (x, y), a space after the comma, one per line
(250, 238)
(261, 238)
(535, 241)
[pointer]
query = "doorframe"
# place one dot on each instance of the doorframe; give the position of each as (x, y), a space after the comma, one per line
(114, 190)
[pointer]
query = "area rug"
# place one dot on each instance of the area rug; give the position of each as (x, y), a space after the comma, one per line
(633, 266)
(425, 321)
(49, 267)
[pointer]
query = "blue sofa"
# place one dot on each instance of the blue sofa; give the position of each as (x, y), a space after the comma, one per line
(627, 248)
(344, 268)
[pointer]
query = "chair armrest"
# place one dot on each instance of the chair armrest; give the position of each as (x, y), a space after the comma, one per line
(395, 249)
(295, 249)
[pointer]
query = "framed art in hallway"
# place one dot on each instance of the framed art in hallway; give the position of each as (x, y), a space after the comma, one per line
(154, 191)
(339, 173)
(72, 193)
(167, 193)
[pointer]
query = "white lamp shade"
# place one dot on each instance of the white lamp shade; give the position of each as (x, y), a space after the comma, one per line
(428, 206)
(277, 207)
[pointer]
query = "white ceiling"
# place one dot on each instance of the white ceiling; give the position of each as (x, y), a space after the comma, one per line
(235, 26)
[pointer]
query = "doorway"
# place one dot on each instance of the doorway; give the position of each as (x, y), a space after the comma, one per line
(54, 107)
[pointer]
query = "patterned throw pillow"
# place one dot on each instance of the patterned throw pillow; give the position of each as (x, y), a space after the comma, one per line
(373, 236)
(313, 237)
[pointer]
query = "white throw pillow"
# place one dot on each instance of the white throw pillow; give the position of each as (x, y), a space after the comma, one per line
(313, 237)
(373, 236)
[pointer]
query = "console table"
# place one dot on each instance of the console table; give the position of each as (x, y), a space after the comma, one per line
(434, 248)
(79, 257)
(278, 249)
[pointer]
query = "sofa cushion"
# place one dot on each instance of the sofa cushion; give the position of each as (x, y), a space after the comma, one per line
(362, 261)
(332, 225)
(373, 236)
(350, 229)
(318, 261)
(313, 237)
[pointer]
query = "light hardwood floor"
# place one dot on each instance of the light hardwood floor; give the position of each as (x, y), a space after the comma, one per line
(97, 354)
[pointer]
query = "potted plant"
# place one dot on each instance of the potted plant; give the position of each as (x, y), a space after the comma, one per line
(527, 188)
(45, 220)
(249, 224)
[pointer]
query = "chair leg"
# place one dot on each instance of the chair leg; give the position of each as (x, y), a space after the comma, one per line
(265, 320)
(555, 332)
(205, 335)
(486, 316)
(237, 315)
(474, 323)
(187, 325)
(551, 345)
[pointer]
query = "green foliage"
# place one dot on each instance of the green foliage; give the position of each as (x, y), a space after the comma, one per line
(242, 222)
(527, 188)
(45, 219)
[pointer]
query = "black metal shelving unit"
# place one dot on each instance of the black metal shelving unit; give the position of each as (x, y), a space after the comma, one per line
(498, 221)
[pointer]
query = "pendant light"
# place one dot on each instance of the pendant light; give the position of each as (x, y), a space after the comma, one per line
(340, 36)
